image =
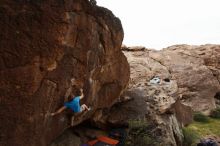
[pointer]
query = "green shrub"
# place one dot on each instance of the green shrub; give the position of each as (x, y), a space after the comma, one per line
(190, 136)
(215, 113)
(140, 134)
(137, 124)
(199, 117)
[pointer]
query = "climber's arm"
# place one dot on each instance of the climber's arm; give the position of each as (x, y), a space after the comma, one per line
(82, 94)
(60, 110)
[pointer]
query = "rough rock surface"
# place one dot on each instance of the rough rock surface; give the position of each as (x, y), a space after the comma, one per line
(196, 70)
(189, 80)
(154, 103)
(189, 76)
(163, 105)
(45, 44)
(68, 138)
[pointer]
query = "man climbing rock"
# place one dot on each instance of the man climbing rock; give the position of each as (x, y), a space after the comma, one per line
(73, 104)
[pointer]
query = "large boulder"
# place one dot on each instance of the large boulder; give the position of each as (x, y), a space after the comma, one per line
(189, 78)
(163, 106)
(189, 81)
(196, 70)
(144, 100)
(44, 45)
(68, 138)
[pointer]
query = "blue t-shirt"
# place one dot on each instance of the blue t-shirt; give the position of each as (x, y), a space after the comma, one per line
(73, 104)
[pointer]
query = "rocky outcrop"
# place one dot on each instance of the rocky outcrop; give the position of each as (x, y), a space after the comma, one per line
(44, 45)
(68, 138)
(156, 103)
(189, 80)
(189, 75)
(163, 105)
(196, 70)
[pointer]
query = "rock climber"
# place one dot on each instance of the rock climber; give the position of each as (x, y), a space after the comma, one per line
(73, 104)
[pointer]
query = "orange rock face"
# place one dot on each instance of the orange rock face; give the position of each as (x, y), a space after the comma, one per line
(45, 44)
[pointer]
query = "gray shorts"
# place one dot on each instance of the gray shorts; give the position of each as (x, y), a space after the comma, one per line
(82, 108)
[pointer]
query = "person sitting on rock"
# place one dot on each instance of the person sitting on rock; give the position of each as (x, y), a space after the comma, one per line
(73, 104)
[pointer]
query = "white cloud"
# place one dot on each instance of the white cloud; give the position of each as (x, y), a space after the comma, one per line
(160, 23)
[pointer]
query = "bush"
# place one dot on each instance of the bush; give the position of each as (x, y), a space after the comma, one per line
(137, 124)
(140, 134)
(190, 137)
(199, 117)
(215, 113)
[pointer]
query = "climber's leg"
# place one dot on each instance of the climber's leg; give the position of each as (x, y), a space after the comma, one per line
(76, 116)
(84, 107)
(72, 120)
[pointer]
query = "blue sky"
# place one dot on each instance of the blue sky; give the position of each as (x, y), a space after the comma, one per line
(161, 23)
